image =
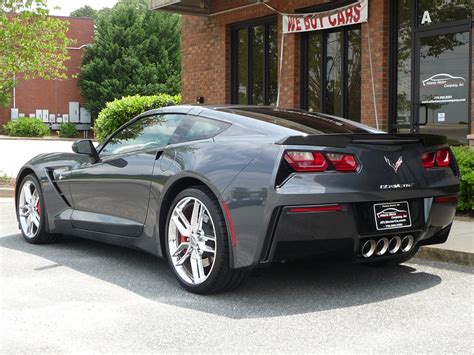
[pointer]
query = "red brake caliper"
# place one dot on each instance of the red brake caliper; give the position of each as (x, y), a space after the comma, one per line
(38, 207)
(183, 239)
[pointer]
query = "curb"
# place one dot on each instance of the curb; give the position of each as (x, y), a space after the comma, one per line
(7, 192)
(445, 255)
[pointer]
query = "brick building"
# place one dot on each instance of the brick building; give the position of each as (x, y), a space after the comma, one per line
(406, 69)
(53, 100)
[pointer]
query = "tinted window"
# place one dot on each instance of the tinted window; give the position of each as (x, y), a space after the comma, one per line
(148, 132)
(437, 11)
(301, 121)
(331, 77)
(194, 128)
(254, 67)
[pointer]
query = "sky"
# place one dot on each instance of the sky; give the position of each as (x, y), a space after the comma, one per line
(67, 6)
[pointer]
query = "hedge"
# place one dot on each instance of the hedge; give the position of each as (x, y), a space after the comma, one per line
(26, 127)
(68, 130)
(119, 111)
(465, 159)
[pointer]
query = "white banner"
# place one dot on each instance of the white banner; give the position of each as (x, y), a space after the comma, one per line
(343, 16)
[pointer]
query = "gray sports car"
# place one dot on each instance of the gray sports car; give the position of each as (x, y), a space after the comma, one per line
(220, 190)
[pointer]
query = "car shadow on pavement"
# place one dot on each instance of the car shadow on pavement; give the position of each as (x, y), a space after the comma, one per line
(283, 289)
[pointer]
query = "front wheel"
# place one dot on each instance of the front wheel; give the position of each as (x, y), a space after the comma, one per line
(32, 213)
(197, 243)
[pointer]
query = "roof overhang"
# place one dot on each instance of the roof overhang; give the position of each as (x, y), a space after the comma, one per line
(188, 7)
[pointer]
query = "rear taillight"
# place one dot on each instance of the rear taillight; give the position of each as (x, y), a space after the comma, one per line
(343, 162)
(304, 161)
(437, 159)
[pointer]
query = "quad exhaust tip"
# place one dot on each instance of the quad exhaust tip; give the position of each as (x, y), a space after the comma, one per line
(407, 243)
(368, 249)
(394, 245)
(384, 245)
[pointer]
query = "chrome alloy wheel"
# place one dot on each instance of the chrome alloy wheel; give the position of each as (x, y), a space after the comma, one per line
(29, 209)
(192, 240)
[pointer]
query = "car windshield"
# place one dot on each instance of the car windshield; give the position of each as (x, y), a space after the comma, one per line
(301, 121)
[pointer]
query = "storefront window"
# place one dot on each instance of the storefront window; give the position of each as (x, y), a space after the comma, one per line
(444, 85)
(404, 62)
(254, 67)
(333, 95)
(432, 12)
(331, 72)
(353, 74)
(242, 66)
(314, 70)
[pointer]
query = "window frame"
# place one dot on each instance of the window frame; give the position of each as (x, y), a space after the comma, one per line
(234, 28)
(304, 65)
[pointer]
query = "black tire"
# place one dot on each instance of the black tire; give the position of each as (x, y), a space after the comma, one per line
(40, 235)
(220, 277)
(395, 261)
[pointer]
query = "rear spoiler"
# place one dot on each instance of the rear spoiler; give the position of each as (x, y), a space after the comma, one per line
(343, 140)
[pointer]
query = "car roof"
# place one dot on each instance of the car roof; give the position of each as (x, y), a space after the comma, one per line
(278, 121)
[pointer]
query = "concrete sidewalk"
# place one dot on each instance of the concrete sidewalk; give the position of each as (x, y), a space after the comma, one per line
(458, 249)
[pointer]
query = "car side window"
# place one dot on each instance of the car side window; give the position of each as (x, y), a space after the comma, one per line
(195, 128)
(147, 132)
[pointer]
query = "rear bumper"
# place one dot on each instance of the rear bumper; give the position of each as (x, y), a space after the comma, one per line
(296, 232)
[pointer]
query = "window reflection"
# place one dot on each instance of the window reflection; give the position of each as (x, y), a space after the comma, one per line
(334, 74)
(314, 71)
(272, 63)
(242, 73)
(444, 10)
(148, 132)
(404, 62)
(337, 55)
(353, 75)
(256, 54)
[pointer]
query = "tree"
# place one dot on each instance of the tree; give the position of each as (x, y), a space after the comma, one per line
(32, 44)
(85, 11)
(135, 51)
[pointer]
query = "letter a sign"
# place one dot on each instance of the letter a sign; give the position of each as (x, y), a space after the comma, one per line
(426, 19)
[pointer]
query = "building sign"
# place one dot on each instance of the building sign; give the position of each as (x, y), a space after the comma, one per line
(443, 88)
(343, 16)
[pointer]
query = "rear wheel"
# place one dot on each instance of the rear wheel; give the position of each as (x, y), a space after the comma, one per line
(32, 213)
(197, 243)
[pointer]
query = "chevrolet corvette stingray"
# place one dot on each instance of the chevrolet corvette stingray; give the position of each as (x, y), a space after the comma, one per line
(219, 190)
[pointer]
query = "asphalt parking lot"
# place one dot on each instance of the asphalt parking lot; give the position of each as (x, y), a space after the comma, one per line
(83, 296)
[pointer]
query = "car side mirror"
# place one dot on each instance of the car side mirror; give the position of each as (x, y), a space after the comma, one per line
(86, 147)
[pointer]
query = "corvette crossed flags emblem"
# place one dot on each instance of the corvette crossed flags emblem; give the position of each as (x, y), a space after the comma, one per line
(396, 165)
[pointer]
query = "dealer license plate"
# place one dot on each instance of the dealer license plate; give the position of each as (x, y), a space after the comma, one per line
(392, 215)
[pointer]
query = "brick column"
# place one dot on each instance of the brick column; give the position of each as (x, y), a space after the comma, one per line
(379, 43)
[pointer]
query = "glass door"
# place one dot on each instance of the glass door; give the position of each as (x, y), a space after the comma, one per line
(442, 84)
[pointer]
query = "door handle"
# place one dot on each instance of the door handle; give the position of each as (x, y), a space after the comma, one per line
(158, 154)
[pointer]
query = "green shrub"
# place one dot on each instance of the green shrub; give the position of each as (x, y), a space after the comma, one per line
(26, 127)
(68, 130)
(465, 159)
(119, 111)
